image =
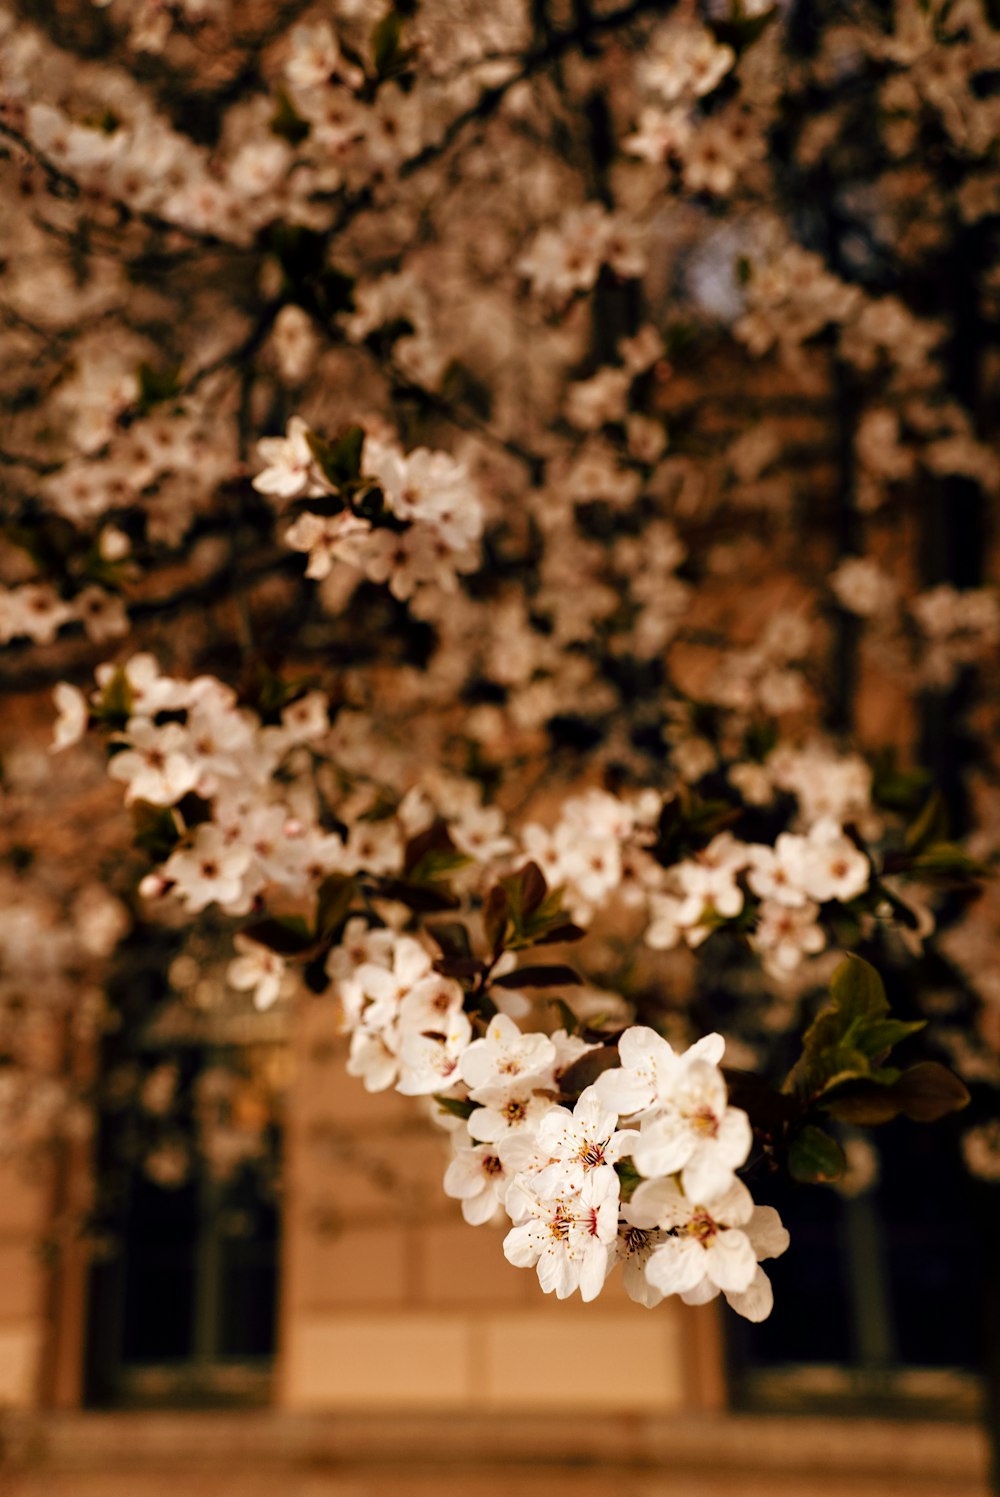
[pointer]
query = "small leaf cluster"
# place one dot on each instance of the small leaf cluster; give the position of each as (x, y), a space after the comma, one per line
(842, 1075)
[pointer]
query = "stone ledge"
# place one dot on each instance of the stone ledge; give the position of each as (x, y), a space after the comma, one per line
(954, 1454)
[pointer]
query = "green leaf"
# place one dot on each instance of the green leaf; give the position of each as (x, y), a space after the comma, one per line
(286, 122)
(267, 692)
(111, 575)
(761, 737)
(628, 1176)
(333, 901)
(157, 385)
(898, 789)
(556, 976)
(432, 857)
(114, 706)
(924, 1093)
(857, 990)
(387, 44)
(496, 917)
(687, 823)
(567, 1017)
(930, 826)
(850, 1035)
(879, 1038)
(437, 867)
(534, 911)
(459, 1107)
(526, 892)
(436, 838)
(856, 1071)
(704, 818)
(339, 461)
(154, 829)
(585, 1071)
(453, 939)
(286, 935)
(814, 1157)
(946, 860)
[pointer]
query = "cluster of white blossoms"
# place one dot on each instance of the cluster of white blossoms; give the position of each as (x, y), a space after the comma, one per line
(37, 611)
(596, 847)
(260, 830)
(792, 880)
(407, 1023)
(435, 514)
(348, 132)
(566, 259)
(560, 1174)
(689, 1227)
(191, 738)
(601, 845)
(640, 1168)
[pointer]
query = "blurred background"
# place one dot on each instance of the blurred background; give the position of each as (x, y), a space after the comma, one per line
(739, 480)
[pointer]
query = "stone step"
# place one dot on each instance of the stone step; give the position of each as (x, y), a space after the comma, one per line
(268, 1453)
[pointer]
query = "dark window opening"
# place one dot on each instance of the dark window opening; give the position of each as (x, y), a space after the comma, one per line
(878, 1302)
(183, 1297)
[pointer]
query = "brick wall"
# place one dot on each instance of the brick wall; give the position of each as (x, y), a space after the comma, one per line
(24, 1207)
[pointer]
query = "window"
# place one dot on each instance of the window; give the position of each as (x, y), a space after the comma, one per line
(183, 1296)
(880, 1303)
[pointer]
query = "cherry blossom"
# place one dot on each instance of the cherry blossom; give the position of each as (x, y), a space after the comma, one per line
(709, 1248)
(567, 1237)
(504, 1059)
(158, 766)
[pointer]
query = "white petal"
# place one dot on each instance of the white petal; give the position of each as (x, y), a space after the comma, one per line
(520, 1248)
(663, 1147)
(676, 1266)
(481, 1208)
(624, 1092)
(557, 1274)
(641, 1046)
(657, 1203)
(735, 1137)
(705, 1177)
(710, 1047)
(701, 1294)
(756, 1302)
(486, 1125)
(730, 1261)
(596, 1267)
(768, 1237)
